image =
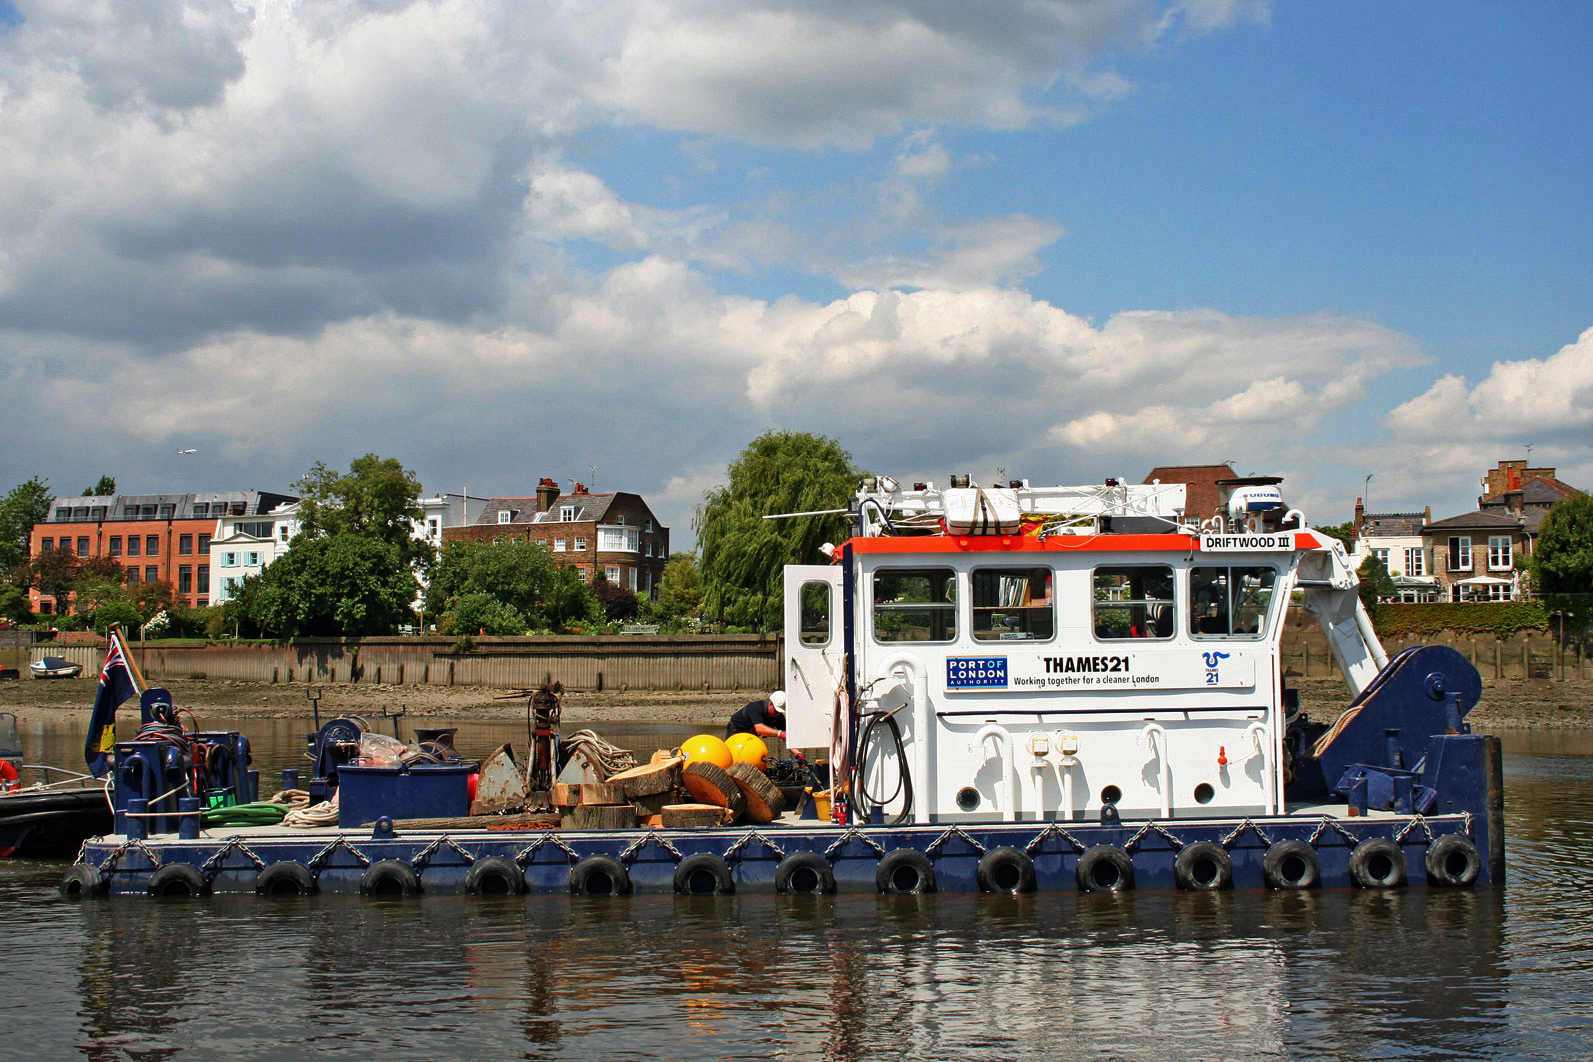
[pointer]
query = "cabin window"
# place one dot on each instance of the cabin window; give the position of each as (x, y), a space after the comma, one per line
(1230, 602)
(1012, 604)
(915, 605)
(1134, 601)
(815, 614)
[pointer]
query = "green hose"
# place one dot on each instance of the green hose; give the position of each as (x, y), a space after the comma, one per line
(259, 814)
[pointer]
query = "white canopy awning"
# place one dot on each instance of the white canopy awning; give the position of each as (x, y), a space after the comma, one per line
(1483, 580)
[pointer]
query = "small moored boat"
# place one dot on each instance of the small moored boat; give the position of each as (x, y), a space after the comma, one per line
(53, 667)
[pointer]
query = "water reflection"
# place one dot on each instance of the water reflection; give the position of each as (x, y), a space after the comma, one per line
(1332, 974)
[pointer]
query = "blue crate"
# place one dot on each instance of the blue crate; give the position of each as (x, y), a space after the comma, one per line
(421, 791)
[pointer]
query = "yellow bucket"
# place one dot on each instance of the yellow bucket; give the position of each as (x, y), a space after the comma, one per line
(821, 802)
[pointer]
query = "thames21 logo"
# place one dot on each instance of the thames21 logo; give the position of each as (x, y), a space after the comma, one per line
(1213, 661)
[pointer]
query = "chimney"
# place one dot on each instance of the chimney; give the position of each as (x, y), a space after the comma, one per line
(547, 494)
(1360, 516)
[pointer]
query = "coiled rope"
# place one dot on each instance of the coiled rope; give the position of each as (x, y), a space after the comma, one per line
(599, 755)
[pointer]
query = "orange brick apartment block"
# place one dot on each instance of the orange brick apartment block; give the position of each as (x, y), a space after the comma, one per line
(155, 537)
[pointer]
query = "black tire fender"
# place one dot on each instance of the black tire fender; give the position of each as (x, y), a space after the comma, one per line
(1291, 865)
(804, 873)
(905, 870)
(389, 877)
(178, 881)
(82, 881)
(1105, 868)
(285, 878)
(1203, 866)
(1453, 861)
(1378, 863)
(600, 876)
(1006, 869)
(704, 874)
(495, 876)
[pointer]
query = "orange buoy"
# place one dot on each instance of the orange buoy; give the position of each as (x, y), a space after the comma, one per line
(705, 748)
(11, 778)
(748, 749)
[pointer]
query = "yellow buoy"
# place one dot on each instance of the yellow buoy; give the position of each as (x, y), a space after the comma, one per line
(748, 748)
(705, 748)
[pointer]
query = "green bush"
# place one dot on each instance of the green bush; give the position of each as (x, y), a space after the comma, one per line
(1501, 618)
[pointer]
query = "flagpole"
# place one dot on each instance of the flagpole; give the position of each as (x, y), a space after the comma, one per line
(137, 676)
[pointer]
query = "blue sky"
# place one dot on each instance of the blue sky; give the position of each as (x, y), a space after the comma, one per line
(500, 241)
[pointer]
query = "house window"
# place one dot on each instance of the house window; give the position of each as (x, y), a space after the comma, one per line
(1382, 556)
(630, 579)
(611, 572)
(282, 531)
(147, 512)
(115, 545)
(566, 513)
(151, 545)
(82, 546)
(1415, 561)
(167, 512)
(63, 514)
(584, 572)
(201, 508)
(580, 543)
(433, 528)
(915, 605)
(229, 560)
(134, 545)
(620, 519)
(48, 545)
(185, 579)
(46, 606)
(252, 559)
(185, 545)
(151, 574)
(1498, 592)
(648, 526)
(1012, 604)
(618, 540)
(505, 516)
(558, 544)
(202, 581)
(1134, 601)
(204, 543)
(1460, 554)
(1499, 553)
(132, 576)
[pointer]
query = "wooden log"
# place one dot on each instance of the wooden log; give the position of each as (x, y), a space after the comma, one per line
(593, 793)
(677, 815)
(479, 822)
(763, 800)
(653, 821)
(604, 817)
(653, 803)
(711, 785)
(647, 780)
(566, 794)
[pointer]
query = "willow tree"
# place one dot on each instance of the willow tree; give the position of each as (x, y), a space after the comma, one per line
(742, 553)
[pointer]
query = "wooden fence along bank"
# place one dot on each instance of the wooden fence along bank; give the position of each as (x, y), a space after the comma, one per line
(706, 663)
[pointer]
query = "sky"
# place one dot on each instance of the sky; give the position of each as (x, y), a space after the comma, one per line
(615, 241)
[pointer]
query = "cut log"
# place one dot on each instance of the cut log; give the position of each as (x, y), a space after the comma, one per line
(479, 822)
(601, 793)
(654, 803)
(678, 815)
(653, 821)
(566, 794)
(604, 817)
(764, 802)
(658, 777)
(711, 785)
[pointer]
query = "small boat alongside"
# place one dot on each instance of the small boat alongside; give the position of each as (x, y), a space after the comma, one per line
(1018, 688)
(45, 810)
(54, 667)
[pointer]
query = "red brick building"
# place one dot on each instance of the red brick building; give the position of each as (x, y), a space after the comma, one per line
(155, 537)
(1201, 483)
(615, 534)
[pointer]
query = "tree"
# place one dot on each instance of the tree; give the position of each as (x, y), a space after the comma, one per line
(518, 573)
(54, 574)
(1562, 561)
(105, 487)
(617, 602)
(1344, 532)
(1375, 581)
(23, 506)
(743, 555)
(680, 593)
(569, 602)
(486, 614)
(377, 498)
(338, 585)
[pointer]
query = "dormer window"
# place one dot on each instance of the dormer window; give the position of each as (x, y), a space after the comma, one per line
(566, 513)
(505, 516)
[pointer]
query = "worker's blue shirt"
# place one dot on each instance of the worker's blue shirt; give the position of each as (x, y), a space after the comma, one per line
(750, 715)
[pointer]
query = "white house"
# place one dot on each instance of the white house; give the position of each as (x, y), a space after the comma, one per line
(1396, 540)
(246, 545)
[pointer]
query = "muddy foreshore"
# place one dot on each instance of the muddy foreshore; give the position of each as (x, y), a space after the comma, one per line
(1507, 704)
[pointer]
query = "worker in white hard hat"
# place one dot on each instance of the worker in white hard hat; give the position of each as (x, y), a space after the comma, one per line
(763, 718)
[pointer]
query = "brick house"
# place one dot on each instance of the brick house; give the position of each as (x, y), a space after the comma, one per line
(613, 534)
(1474, 555)
(1200, 481)
(155, 537)
(1396, 539)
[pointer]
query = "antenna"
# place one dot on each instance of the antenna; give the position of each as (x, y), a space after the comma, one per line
(592, 486)
(1529, 453)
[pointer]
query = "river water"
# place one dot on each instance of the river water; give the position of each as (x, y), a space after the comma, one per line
(1490, 974)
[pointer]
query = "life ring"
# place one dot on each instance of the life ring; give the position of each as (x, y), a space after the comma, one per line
(804, 873)
(1105, 868)
(178, 881)
(1378, 863)
(285, 878)
(389, 877)
(1454, 861)
(1203, 866)
(1291, 865)
(10, 777)
(82, 881)
(600, 876)
(495, 876)
(1005, 869)
(905, 870)
(704, 874)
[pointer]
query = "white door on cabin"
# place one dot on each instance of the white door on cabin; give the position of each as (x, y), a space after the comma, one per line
(814, 652)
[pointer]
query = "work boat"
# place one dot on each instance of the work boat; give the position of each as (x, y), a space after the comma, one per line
(1017, 688)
